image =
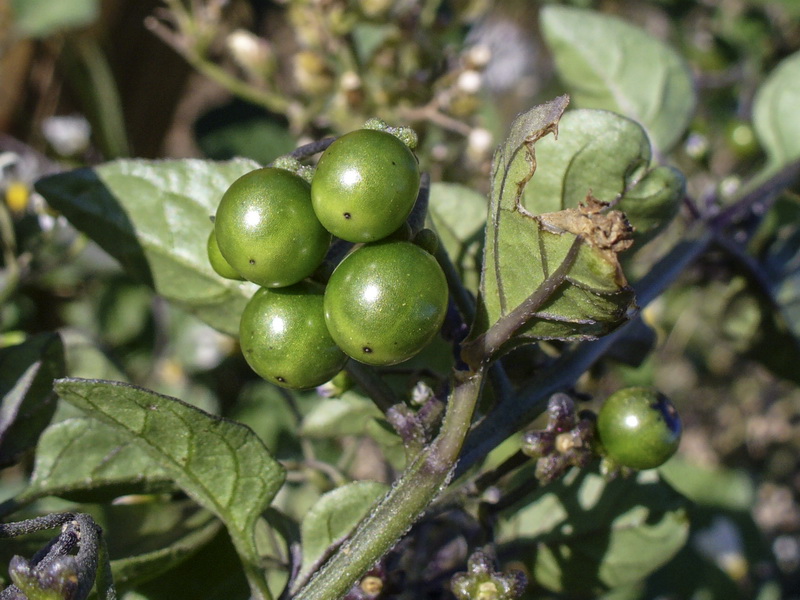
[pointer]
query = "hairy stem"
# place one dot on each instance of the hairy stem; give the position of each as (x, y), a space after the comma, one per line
(422, 481)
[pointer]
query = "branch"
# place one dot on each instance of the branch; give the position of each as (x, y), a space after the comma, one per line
(422, 481)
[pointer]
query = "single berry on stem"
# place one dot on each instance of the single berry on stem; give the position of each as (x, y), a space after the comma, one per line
(639, 428)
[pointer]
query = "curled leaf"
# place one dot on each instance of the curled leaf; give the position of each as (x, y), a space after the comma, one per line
(556, 275)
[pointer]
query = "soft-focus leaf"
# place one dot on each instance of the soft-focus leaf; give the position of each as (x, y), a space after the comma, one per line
(610, 64)
(775, 116)
(337, 417)
(27, 401)
(212, 573)
(86, 460)
(219, 463)
(149, 538)
(334, 516)
(263, 407)
(458, 215)
(153, 217)
(522, 249)
(39, 18)
(239, 129)
(85, 358)
(608, 155)
(719, 487)
(592, 535)
(369, 37)
(781, 269)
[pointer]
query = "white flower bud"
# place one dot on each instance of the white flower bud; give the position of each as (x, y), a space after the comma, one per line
(469, 81)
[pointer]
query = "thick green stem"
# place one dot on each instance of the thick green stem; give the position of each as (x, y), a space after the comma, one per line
(422, 481)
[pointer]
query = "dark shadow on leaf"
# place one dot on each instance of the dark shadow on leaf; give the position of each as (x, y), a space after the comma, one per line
(83, 198)
(27, 401)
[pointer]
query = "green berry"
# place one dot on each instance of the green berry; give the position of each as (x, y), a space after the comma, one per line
(284, 338)
(365, 185)
(639, 428)
(221, 266)
(267, 230)
(385, 302)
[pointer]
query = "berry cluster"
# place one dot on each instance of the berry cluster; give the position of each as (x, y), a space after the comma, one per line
(384, 301)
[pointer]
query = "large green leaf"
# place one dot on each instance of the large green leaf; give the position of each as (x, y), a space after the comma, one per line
(333, 517)
(87, 460)
(219, 463)
(608, 155)
(610, 64)
(458, 214)
(591, 535)
(523, 249)
(27, 402)
(153, 217)
(775, 116)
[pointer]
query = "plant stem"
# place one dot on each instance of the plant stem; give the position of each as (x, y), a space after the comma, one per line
(258, 583)
(462, 298)
(422, 481)
(273, 102)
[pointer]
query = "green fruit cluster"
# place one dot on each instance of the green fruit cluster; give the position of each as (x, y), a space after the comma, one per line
(385, 300)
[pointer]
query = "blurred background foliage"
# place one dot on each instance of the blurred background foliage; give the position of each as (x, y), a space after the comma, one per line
(85, 81)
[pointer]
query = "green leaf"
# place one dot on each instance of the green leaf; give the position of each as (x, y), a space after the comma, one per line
(610, 64)
(775, 116)
(592, 535)
(608, 155)
(239, 129)
(150, 538)
(212, 573)
(333, 517)
(523, 249)
(338, 417)
(458, 215)
(27, 402)
(153, 217)
(221, 464)
(40, 18)
(652, 202)
(85, 460)
(719, 487)
(368, 38)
